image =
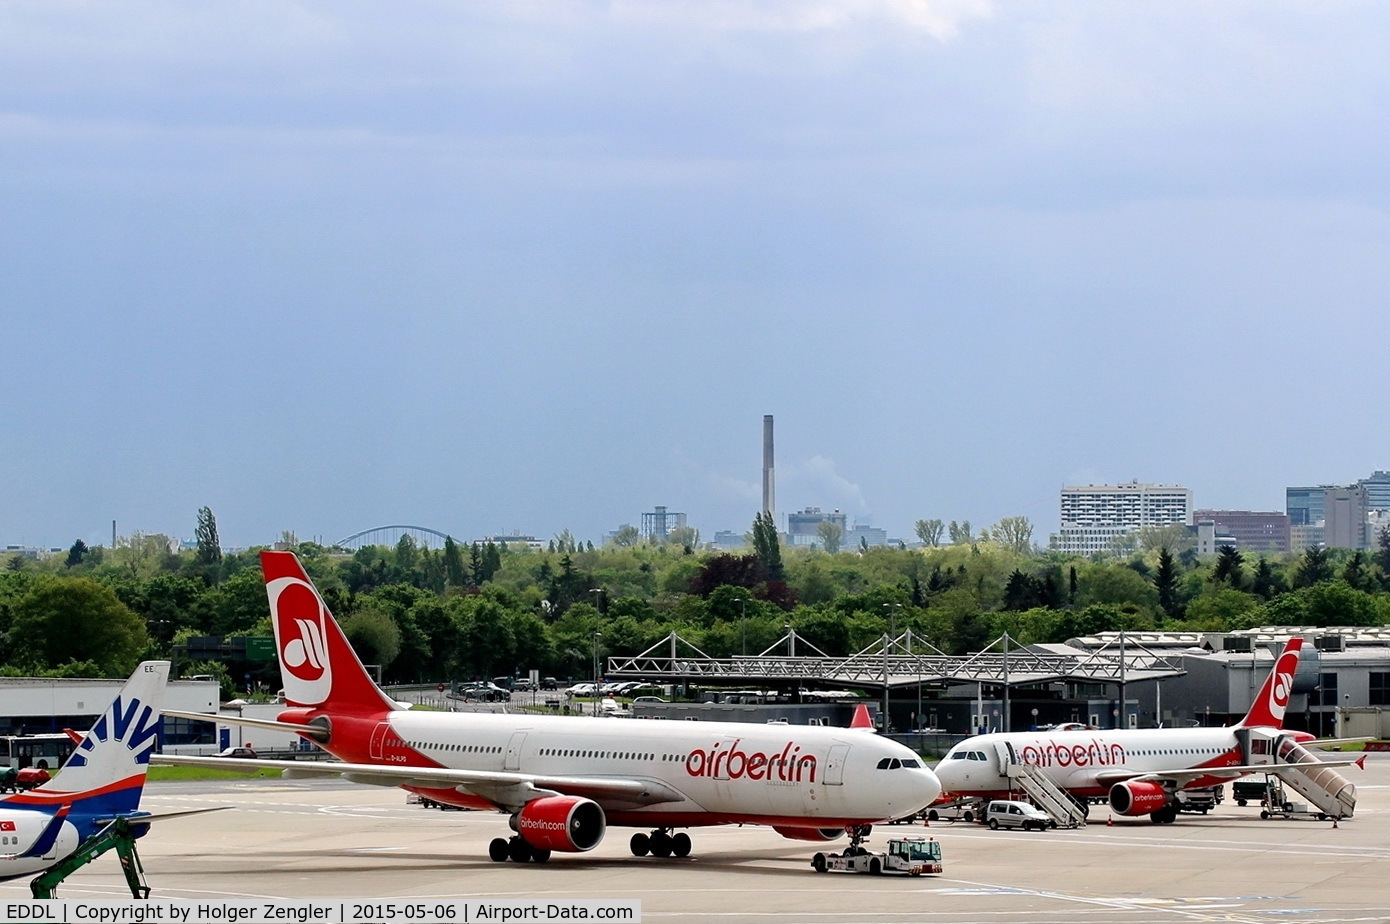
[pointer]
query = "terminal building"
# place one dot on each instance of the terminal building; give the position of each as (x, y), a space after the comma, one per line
(43, 705)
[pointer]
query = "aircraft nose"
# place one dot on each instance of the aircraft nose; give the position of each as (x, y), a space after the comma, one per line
(928, 787)
(948, 776)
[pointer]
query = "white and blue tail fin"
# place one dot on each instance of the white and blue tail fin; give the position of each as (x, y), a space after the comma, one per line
(106, 773)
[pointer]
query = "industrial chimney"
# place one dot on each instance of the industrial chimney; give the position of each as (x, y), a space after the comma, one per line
(769, 486)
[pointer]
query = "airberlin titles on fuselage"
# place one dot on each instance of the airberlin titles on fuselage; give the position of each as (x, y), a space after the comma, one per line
(731, 763)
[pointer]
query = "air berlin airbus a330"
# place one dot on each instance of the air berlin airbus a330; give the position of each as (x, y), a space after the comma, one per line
(565, 779)
(1142, 770)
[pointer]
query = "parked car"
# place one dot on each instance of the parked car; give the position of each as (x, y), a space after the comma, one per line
(1006, 813)
(523, 685)
(550, 683)
(237, 752)
(581, 689)
(484, 693)
(648, 699)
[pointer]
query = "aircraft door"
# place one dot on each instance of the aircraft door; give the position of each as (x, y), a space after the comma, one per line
(513, 757)
(1006, 756)
(835, 765)
(379, 739)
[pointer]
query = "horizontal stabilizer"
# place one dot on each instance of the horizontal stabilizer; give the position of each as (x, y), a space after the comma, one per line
(314, 732)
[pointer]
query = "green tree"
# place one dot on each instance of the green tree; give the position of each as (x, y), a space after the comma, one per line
(929, 531)
(626, 537)
(209, 551)
(76, 554)
(1357, 572)
(960, 532)
(60, 620)
(373, 634)
(1165, 580)
(1230, 567)
(1014, 534)
(1314, 567)
(767, 544)
(1175, 537)
(830, 535)
(454, 573)
(1266, 583)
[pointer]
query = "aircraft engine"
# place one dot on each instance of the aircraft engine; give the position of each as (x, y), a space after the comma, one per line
(566, 823)
(1138, 798)
(809, 834)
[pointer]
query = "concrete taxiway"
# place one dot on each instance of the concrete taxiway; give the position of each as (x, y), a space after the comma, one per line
(297, 839)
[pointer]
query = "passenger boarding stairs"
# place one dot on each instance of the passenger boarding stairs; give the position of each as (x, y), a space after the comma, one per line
(1332, 793)
(1047, 795)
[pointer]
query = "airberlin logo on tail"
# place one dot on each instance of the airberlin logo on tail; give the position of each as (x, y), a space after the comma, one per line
(301, 631)
(733, 763)
(1282, 685)
(130, 722)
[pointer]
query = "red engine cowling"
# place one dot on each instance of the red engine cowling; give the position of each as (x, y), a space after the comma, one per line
(1138, 798)
(565, 823)
(809, 834)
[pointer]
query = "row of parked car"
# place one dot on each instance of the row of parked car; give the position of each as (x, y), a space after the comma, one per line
(617, 688)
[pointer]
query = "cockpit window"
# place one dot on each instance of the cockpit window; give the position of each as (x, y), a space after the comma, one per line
(883, 763)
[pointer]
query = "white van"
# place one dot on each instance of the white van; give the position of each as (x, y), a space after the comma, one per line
(1004, 813)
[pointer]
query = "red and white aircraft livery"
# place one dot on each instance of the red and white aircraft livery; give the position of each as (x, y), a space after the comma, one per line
(1141, 770)
(564, 779)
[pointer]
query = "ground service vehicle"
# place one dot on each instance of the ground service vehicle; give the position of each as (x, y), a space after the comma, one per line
(1006, 813)
(913, 855)
(963, 810)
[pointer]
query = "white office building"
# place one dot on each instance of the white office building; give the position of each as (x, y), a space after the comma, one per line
(1095, 517)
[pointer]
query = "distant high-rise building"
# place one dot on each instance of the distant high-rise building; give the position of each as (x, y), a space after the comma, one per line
(1377, 490)
(1094, 516)
(1344, 517)
(803, 527)
(1304, 504)
(657, 525)
(1249, 530)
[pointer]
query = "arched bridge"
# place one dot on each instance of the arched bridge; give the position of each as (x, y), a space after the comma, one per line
(391, 535)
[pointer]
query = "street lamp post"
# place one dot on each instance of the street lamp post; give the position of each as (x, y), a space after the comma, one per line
(597, 635)
(887, 642)
(743, 622)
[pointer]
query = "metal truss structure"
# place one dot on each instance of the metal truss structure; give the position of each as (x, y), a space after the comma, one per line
(894, 662)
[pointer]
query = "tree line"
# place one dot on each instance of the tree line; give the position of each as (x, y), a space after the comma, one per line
(468, 611)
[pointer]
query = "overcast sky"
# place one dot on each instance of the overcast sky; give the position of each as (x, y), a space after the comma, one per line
(527, 266)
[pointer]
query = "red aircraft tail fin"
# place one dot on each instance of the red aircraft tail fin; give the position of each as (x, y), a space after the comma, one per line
(1267, 709)
(861, 719)
(317, 664)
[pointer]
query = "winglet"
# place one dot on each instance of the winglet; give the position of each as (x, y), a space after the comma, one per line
(862, 719)
(1267, 709)
(1361, 762)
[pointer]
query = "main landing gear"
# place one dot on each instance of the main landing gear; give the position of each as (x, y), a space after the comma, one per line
(660, 843)
(515, 849)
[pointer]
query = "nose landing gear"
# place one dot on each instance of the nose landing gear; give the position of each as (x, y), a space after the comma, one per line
(660, 843)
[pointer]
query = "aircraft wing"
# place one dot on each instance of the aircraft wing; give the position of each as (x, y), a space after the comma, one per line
(506, 789)
(1334, 742)
(1188, 774)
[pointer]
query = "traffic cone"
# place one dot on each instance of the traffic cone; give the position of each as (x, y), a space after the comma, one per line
(1334, 821)
(926, 822)
(1110, 821)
